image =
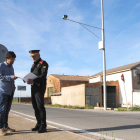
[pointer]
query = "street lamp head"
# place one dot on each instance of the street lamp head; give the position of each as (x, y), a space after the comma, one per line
(64, 17)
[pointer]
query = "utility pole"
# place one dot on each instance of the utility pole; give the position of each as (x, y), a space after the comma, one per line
(104, 60)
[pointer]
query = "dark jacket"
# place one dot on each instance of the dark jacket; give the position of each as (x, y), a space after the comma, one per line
(40, 69)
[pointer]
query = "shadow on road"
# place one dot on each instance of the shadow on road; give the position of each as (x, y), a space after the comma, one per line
(109, 128)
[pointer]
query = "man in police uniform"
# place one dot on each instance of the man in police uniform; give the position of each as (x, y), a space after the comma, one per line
(38, 87)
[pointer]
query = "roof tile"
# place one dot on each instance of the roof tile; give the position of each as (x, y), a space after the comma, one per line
(71, 77)
(117, 69)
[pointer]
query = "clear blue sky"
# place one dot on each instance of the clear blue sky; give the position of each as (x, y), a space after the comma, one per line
(68, 47)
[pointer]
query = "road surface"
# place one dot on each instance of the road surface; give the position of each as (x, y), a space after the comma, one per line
(92, 123)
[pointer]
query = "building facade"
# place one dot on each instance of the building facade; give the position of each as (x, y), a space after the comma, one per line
(56, 82)
(88, 94)
(129, 89)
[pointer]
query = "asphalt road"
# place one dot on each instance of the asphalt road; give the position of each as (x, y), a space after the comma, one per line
(104, 124)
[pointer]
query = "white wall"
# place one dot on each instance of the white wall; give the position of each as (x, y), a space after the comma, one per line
(136, 98)
(123, 86)
(95, 80)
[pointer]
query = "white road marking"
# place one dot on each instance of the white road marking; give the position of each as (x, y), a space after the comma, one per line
(69, 127)
(57, 128)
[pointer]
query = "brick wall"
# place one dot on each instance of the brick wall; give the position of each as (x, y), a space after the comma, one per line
(52, 82)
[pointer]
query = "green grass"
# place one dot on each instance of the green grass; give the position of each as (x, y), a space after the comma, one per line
(135, 108)
(122, 109)
(70, 107)
(60, 106)
(89, 107)
(15, 101)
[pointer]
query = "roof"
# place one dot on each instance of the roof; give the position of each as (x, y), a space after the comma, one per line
(118, 69)
(71, 77)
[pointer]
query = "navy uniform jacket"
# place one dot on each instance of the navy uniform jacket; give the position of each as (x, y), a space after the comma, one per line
(40, 69)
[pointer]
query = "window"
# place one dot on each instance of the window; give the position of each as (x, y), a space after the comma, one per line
(138, 78)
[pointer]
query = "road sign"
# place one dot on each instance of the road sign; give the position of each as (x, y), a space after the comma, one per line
(21, 87)
(122, 77)
(3, 51)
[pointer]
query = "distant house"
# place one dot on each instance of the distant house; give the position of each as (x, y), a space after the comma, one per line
(87, 94)
(56, 82)
(129, 89)
(76, 90)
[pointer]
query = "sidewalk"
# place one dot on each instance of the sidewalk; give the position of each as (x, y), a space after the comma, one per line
(23, 131)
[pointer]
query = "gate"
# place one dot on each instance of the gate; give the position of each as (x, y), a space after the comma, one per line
(92, 95)
(111, 96)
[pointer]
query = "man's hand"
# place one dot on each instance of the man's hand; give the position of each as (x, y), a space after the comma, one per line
(15, 77)
(30, 81)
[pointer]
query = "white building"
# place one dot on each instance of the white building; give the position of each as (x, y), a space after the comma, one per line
(129, 89)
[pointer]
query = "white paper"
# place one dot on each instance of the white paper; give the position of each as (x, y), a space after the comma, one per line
(29, 76)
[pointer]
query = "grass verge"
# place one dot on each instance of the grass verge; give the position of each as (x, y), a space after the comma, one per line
(122, 109)
(70, 107)
(134, 108)
(15, 101)
(60, 106)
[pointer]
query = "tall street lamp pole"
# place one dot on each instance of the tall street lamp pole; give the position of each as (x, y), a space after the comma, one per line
(101, 47)
(104, 60)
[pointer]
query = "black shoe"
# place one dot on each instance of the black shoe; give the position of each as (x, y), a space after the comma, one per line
(42, 130)
(36, 128)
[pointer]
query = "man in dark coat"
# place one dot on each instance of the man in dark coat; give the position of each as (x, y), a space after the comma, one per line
(38, 87)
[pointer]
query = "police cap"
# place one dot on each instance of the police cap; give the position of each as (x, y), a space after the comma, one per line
(34, 52)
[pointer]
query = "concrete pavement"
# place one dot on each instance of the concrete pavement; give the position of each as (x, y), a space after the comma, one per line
(23, 131)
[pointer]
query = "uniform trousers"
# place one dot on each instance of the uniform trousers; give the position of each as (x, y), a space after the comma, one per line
(37, 94)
